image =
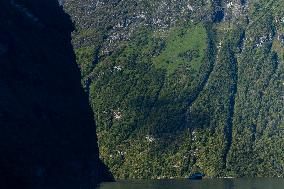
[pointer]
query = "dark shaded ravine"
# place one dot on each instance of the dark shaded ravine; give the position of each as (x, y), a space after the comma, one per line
(228, 129)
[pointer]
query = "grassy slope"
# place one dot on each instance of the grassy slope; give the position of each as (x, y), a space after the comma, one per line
(183, 46)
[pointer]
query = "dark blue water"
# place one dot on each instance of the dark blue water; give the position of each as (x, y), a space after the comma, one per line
(202, 184)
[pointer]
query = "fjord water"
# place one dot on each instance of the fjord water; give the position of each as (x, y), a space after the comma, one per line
(196, 184)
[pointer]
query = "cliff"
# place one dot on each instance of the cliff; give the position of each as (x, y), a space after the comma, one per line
(47, 130)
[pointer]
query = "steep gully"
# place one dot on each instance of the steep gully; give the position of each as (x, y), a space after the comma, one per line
(228, 128)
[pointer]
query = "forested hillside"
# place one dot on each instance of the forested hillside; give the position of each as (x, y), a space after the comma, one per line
(184, 86)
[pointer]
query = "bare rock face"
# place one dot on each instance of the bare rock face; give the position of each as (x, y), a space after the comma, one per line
(47, 131)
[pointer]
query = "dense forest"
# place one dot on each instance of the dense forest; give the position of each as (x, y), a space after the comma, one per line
(184, 86)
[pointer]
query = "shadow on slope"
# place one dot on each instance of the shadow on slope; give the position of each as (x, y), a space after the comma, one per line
(47, 131)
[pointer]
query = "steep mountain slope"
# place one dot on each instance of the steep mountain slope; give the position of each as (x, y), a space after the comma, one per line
(184, 86)
(47, 131)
